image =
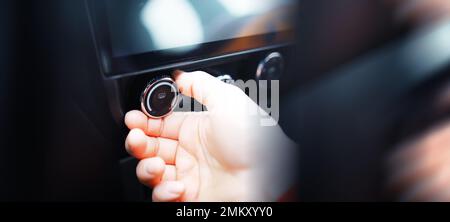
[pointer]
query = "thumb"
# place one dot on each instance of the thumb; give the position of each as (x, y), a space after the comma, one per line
(203, 87)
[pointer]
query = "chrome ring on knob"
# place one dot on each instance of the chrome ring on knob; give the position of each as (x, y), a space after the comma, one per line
(148, 96)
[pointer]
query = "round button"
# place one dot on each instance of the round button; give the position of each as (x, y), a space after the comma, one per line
(226, 79)
(271, 67)
(160, 97)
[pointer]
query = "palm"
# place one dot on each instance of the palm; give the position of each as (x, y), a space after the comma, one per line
(203, 171)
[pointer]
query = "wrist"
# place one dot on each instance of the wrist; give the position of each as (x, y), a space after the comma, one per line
(277, 164)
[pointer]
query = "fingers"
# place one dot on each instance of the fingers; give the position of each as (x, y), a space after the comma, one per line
(426, 179)
(167, 127)
(435, 187)
(150, 171)
(142, 146)
(167, 150)
(153, 172)
(168, 191)
(420, 169)
(136, 120)
(170, 173)
(201, 86)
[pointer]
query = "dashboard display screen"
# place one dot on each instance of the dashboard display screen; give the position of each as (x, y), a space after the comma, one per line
(166, 31)
(139, 26)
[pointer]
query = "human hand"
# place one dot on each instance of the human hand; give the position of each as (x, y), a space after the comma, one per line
(217, 155)
(420, 169)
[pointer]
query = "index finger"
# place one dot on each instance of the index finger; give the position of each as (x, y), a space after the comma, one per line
(201, 86)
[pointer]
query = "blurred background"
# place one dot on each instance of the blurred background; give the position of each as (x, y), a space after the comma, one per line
(364, 92)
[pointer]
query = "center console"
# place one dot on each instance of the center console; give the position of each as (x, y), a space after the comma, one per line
(138, 41)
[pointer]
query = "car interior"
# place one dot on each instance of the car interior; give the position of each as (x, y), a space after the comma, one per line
(353, 84)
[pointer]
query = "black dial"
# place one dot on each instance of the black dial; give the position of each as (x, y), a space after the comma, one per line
(271, 67)
(160, 97)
